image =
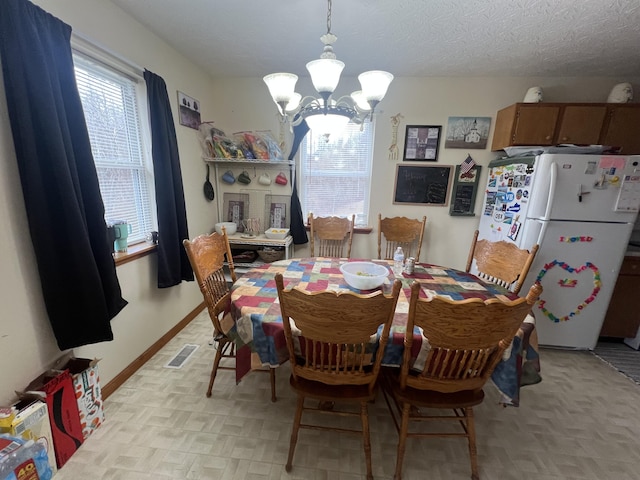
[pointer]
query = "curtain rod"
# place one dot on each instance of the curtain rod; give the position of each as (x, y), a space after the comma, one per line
(90, 47)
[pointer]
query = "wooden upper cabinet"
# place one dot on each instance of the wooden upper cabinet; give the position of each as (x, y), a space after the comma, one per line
(535, 126)
(622, 128)
(581, 124)
(546, 124)
(525, 124)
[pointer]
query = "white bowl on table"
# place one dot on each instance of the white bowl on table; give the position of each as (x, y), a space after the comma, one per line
(230, 227)
(276, 233)
(364, 275)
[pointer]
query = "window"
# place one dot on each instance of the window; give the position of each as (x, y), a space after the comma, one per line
(110, 102)
(335, 174)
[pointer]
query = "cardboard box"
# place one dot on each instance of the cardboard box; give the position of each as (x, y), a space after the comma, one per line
(29, 419)
(55, 387)
(86, 384)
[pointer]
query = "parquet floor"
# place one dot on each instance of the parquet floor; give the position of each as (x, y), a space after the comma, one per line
(582, 422)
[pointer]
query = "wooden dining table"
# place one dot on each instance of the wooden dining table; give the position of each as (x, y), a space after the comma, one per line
(255, 323)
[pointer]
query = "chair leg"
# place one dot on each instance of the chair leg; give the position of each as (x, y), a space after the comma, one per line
(272, 377)
(294, 432)
(402, 440)
(473, 452)
(366, 438)
(219, 351)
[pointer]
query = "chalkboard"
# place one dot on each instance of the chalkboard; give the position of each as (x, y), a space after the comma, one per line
(463, 196)
(422, 184)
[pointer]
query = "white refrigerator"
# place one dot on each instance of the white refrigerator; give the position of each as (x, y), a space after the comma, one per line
(580, 209)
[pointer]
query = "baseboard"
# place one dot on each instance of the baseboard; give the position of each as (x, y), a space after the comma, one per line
(125, 374)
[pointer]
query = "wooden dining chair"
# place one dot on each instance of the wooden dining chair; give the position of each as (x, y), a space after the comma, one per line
(500, 262)
(394, 232)
(332, 234)
(466, 339)
(207, 257)
(333, 359)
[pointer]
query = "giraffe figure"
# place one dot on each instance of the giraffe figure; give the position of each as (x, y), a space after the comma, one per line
(393, 148)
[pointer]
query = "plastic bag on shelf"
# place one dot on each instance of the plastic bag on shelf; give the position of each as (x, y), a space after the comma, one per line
(256, 144)
(206, 130)
(224, 147)
(243, 144)
(275, 152)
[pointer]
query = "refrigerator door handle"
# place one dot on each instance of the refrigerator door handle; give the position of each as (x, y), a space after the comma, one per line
(543, 231)
(552, 191)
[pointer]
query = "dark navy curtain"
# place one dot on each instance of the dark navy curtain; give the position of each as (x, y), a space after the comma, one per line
(173, 263)
(59, 181)
(298, 230)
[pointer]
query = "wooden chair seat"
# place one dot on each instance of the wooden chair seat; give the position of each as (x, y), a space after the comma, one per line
(394, 232)
(331, 234)
(428, 398)
(466, 341)
(324, 392)
(331, 357)
(207, 255)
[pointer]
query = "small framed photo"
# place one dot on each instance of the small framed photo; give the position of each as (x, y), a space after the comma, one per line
(189, 111)
(421, 143)
(467, 132)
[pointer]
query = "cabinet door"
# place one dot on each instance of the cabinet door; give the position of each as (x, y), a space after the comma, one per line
(622, 129)
(581, 124)
(535, 125)
(623, 317)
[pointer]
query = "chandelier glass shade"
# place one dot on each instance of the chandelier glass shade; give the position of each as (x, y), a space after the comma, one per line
(324, 113)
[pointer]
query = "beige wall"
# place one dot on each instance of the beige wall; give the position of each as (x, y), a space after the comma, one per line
(26, 340)
(421, 101)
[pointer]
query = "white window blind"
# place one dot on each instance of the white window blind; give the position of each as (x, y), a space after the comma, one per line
(110, 103)
(335, 175)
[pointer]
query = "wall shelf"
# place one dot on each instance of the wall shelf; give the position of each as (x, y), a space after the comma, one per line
(252, 161)
(243, 162)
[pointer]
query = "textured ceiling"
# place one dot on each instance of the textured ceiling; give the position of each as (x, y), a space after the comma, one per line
(251, 38)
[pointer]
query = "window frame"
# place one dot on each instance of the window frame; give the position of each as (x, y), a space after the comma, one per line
(366, 174)
(98, 62)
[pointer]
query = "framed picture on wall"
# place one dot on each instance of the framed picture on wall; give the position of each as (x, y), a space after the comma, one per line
(464, 191)
(189, 109)
(421, 143)
(467, 132)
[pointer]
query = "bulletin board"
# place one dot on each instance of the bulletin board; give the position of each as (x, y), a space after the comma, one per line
(422, 184)
(464, 190)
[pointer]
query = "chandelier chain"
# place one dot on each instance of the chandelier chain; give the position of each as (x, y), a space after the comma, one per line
(329, 16)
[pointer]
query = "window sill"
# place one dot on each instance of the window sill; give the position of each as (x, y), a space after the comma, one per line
(134, 252)
(366, 230)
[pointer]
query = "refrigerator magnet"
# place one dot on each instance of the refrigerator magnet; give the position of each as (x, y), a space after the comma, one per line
(515, 229)
(591, 168)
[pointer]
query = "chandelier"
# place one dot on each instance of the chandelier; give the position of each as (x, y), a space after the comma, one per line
(324, 114)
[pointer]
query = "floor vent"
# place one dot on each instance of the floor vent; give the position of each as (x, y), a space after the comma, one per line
(183, 355)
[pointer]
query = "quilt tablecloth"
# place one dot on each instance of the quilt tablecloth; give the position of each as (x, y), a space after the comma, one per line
(255, 322)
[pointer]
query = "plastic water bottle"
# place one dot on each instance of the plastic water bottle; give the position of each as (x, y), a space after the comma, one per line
(27, 457)
(398, 262)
